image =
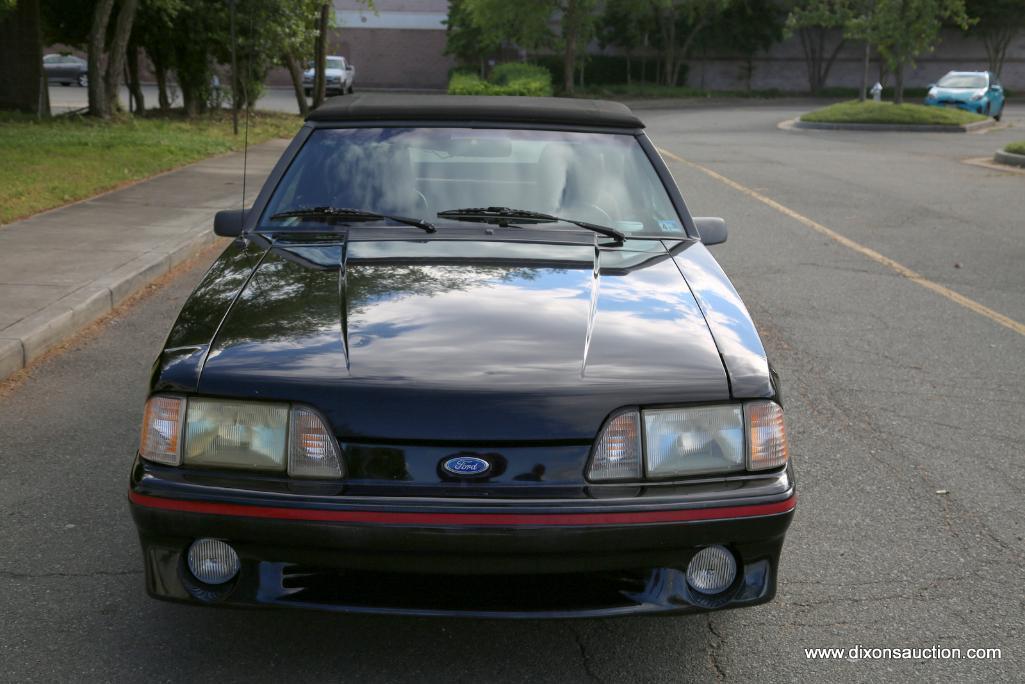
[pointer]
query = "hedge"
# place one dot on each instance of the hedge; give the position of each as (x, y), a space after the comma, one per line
(512, 78)
(610, 69)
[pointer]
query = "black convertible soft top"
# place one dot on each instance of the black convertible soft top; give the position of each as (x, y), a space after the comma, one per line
(511, 109)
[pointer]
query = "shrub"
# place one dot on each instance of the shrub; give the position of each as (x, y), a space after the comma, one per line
(465, 83)
(513, 78)
(510, 72)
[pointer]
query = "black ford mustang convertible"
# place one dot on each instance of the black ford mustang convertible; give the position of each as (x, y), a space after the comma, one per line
(465, 356)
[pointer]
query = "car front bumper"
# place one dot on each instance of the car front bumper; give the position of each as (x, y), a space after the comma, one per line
(464, 557)
(973, 106)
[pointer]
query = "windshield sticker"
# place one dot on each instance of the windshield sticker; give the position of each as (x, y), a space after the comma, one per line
(670, 226)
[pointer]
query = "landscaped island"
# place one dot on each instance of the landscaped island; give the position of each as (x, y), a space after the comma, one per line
(888, 113)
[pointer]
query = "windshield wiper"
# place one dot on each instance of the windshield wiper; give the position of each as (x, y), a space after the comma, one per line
(504, 216)
(346, 215)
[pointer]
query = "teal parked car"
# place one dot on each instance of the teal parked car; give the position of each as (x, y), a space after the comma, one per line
(979, 92)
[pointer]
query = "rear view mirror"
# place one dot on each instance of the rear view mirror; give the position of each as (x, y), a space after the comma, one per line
(711, 229)
(228, 223)
(480, 147)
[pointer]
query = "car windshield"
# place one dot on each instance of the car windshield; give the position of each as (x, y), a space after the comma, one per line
(335, 63)
(962, 81)
(600, 178)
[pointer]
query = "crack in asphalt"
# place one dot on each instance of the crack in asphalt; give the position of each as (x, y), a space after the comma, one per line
(578, 640)
(714, 646)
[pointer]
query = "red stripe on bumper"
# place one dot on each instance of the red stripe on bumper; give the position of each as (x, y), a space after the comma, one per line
(469, 519)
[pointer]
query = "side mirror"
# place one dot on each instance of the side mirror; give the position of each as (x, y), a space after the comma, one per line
(228, 223)
(711, 229)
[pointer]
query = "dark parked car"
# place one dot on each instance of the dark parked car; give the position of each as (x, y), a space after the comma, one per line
(465, 356)
(66, 69)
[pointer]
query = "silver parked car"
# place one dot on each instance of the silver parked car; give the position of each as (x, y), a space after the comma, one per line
(339, 76)
(66, 69)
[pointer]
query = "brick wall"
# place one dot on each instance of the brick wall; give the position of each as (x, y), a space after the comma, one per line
(783, 67)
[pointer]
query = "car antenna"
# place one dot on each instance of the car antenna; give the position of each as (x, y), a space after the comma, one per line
(245, 131)
(245, 97)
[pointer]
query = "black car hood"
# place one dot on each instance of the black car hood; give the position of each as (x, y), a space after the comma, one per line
(458, 341)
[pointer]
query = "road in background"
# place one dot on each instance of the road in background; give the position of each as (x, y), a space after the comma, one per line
(904, 408)
(274, 98)
(68, 98)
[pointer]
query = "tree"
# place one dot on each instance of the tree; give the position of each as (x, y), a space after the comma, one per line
(818, 25)
(746, 28)
(999, 23)
(296, 29)
(465, 40)
(320, 70)
(858, 27)
(23, 84)
(116, 56)
(679, 23)
(627, 25)
(526, 24)
(154, 32)
(903, 29)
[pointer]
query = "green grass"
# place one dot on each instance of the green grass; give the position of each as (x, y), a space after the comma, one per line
(55, 161)
(1016, 147)
(888, 113)
(654, 90)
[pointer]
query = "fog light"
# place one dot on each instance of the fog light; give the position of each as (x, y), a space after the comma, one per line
(212, 561)
(712, 570)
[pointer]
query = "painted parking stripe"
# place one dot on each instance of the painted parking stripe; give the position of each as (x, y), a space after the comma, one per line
(875, 256)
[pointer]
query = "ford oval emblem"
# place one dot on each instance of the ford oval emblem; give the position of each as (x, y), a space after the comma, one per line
(467, 466)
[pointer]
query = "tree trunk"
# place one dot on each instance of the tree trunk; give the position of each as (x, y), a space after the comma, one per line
(134, 87)
(569, 37)
(160, 72)
(681, 53)
(116, 54)
(828, 65)
(813, 44)
(97, 61)
(996, 44)
(292, 64)
(321, 58)
(864, 74)
(23, 85)
(898, 83)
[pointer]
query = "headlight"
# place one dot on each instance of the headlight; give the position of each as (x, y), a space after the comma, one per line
(933, 92)
(696, 440)
(690, 441)
(979, 95)
(236, 434)
(249, 435)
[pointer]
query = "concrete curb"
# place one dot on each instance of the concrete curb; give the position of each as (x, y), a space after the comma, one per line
(1009, 158)
(33, 336)
(896, 128)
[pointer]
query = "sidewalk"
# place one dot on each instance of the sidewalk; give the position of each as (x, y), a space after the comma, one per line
(63, 269)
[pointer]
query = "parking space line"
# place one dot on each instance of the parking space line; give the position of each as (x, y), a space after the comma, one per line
(868, 252)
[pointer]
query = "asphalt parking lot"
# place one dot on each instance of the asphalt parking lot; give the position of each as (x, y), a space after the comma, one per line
(904, 392)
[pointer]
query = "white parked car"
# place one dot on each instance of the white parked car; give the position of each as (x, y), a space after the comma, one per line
(339, 76)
